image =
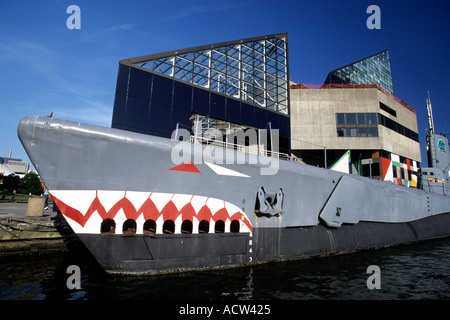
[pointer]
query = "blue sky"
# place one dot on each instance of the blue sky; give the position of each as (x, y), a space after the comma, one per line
(45, 67)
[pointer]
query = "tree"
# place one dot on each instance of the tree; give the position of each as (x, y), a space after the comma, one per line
(10, 183)
(30, 183)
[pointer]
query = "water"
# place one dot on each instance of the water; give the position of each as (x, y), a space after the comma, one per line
(408, 272)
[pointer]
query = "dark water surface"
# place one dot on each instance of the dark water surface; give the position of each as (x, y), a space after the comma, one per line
(414, 271)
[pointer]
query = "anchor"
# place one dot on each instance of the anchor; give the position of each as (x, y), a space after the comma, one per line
(269, 204)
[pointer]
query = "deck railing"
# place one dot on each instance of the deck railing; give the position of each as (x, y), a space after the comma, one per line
(253, 149)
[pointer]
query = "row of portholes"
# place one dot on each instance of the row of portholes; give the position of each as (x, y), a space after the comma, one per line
(130, 226)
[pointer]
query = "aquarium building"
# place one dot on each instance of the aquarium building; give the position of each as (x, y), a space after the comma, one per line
(353, 117)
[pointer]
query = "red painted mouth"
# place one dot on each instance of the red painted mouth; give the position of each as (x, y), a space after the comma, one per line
(149, 211)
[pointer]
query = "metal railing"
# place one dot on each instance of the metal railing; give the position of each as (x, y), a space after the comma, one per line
(253, 149)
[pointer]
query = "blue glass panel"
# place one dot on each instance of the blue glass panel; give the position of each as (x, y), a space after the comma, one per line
(248, 115)
(182, 96)
(180, 116)
(136, 114)
(200, 101)
(260, 118)
(284, 125)
(375, 69)
(160, 118)
(122, 79)
(233, 111)
(118, 117)
(162, 90)
(217, 106)
(140, 83)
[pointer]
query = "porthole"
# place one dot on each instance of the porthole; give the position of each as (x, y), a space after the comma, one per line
(129, 227)
(203, 226)
(186, 226)
(108, 226)
(219, 226)
(169, 227)
(234, 226)
(150, 227)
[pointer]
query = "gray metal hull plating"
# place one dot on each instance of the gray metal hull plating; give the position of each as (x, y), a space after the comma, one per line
(297, 211)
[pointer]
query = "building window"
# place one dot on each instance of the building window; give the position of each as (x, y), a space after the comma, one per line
(366, 125)
(357, 132)
(387, 109)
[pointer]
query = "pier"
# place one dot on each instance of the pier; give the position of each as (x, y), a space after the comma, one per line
(21, 233)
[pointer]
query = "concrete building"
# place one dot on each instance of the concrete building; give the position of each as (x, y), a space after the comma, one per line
(13, 166)
(367, 124)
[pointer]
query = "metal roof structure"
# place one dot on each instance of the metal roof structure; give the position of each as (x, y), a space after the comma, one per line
(253, 70)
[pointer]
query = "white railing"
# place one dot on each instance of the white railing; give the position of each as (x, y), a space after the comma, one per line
(253, 149)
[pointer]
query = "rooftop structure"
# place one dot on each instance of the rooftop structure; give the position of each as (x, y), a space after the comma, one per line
(252, 70)
(242, 83)
(375, 69)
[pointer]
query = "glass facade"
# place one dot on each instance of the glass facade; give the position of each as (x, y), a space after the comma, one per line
(375, 69)
(254, 71)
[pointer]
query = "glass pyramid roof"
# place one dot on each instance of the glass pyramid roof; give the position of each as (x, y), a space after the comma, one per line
(375, 69)
(252, 70)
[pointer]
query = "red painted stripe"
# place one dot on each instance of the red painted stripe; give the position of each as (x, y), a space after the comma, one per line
(186, 167)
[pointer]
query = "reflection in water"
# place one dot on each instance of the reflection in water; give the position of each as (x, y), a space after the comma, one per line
(416, 271)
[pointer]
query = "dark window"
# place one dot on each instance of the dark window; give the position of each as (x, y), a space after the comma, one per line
(357, 132)
(350, 118)
(186, 226)
(169, 227)
(219, 227)
(375, 170)
(234, 226)
(203, 226)
(371, 118)
(361, 118)
(372, 132)
(108, 226)
(150, 227)
(387, 109)
(129, 227)
(340, 118)
(391, 124)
